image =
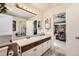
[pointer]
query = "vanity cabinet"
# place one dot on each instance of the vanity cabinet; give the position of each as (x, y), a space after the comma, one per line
(36, 51)
(37, 48)
(3, 51)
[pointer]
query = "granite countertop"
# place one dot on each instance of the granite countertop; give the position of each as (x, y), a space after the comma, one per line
(25, 41)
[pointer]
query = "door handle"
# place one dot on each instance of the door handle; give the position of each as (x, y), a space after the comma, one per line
(77, 38)
(35, 49)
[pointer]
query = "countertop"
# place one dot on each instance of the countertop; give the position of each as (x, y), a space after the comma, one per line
(25, 41)
(5, 44)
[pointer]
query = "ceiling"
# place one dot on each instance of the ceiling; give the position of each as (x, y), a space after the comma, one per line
(44, 6)
(13, 10)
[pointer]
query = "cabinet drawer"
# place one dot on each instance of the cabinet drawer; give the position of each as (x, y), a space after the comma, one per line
(29, 52)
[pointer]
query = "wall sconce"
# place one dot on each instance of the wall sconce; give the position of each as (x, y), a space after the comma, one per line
(48, 23)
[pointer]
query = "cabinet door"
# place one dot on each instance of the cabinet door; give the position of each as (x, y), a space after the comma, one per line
(45, 46)
(49, 44)
(73, 30)
(3, 51)
(38, 51)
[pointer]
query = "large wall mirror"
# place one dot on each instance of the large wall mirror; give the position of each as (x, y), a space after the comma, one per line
(19, 27)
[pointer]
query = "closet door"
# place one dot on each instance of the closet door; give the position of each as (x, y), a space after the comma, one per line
(73, 30)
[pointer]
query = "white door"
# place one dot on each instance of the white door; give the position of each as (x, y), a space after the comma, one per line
(5, 24)
(72, 30)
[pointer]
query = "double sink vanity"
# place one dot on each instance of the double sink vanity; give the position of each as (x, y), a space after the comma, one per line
(34, 46)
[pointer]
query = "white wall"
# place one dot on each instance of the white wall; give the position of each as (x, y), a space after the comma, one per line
(38, 17)
(57, 9)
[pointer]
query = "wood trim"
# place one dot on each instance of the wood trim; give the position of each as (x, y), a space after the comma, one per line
(34, 44)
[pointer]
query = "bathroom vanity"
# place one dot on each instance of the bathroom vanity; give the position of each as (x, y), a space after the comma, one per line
(14, 30)
(34, 46)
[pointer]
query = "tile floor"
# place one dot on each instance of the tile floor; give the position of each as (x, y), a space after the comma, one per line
(53, 53)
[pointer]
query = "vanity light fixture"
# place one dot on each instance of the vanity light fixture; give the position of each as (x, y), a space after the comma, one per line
(21, 6)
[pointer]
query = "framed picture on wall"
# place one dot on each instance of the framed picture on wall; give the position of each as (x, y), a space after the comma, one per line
(14, 25)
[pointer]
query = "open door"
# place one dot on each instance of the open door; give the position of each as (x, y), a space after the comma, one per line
(73, 30)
